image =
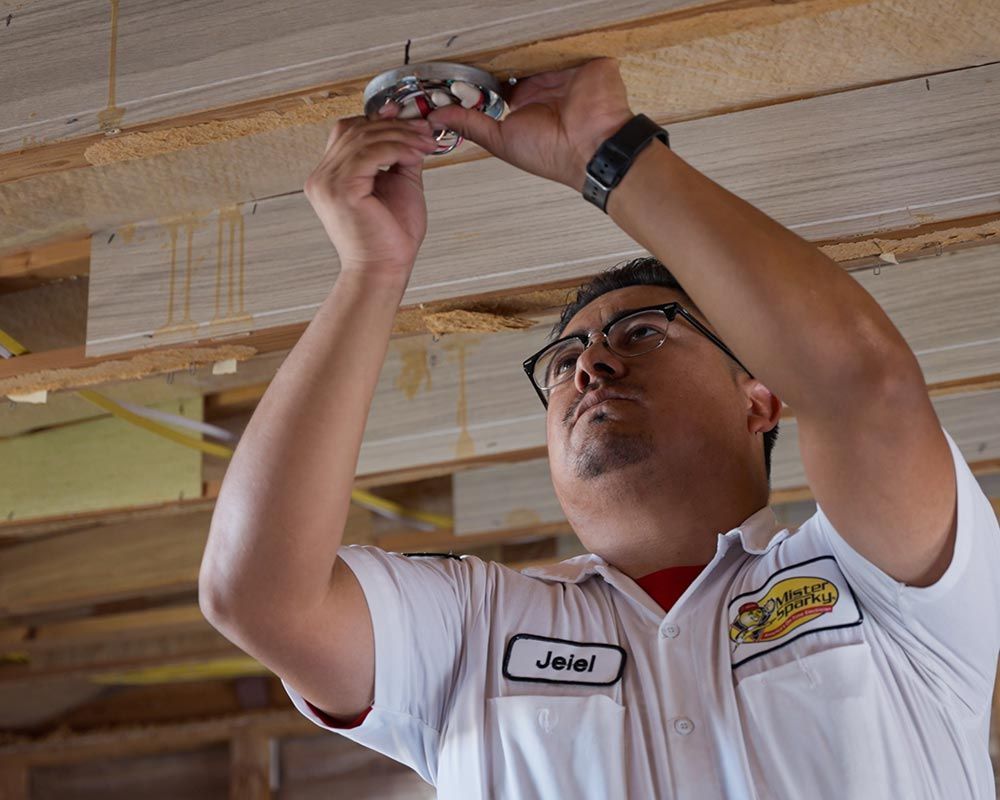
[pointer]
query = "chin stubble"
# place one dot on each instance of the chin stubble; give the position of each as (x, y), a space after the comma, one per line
(605, 451)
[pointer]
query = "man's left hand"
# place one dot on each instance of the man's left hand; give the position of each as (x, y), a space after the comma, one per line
(557, 120)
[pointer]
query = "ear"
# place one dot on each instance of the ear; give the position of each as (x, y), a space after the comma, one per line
(763, 407)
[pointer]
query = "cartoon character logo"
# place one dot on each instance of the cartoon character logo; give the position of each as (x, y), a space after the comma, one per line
(783, 608)
(750, 622)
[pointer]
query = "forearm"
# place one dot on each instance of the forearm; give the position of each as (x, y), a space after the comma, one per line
(281, 512)
(796, 319)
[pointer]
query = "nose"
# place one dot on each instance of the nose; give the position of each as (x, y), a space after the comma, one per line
(597, 361)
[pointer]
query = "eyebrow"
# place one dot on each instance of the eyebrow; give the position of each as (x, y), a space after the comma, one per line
(619, 315)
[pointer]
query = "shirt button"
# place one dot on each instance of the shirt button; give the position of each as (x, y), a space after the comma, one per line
(669, 631)
(683, 726)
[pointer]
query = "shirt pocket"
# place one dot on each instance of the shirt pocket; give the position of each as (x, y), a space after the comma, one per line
(816, 726)
(548, 746)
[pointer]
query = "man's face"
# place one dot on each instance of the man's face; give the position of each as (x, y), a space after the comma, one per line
(677, 403)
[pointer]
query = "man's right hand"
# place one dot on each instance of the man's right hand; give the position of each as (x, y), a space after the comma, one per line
(375, 218)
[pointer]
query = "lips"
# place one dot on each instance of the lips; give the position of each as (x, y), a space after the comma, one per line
(599, 396)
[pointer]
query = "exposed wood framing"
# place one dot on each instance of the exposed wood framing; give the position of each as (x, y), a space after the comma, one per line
(881, 155)
(755, 53)
(152, 739)
(251, 754)
(152, 76)
(796, 161)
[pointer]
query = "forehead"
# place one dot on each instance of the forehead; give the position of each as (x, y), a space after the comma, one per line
(598, 311)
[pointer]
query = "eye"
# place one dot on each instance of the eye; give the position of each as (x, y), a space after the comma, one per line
(563, 364)
(631, 336)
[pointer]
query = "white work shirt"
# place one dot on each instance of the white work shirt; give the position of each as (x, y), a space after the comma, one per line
(790, 668)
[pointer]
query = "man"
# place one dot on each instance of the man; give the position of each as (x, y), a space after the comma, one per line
(701, 651)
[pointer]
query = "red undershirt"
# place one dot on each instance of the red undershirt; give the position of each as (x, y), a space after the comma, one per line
(665, 586)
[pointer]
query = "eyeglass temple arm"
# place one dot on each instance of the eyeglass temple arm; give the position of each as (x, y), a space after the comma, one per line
(714, 339)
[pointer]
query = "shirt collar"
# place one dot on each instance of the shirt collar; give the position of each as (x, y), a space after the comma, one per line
(757, 534)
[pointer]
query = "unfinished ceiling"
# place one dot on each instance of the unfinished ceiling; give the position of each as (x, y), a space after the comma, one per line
(156, 250)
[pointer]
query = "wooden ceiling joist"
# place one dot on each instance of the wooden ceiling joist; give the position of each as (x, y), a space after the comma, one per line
(699, 61)
(797, 161)
(110, 67)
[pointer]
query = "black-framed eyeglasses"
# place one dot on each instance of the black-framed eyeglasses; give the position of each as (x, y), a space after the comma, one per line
(631, 333)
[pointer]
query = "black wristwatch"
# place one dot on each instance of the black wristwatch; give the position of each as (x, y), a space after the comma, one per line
(614, 157)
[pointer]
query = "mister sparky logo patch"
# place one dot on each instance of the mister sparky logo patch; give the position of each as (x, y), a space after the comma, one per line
(794, 601)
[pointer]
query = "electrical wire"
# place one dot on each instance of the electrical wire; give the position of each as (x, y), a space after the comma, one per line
(423, 520)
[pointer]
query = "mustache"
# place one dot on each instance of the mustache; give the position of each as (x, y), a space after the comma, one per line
(570, 414)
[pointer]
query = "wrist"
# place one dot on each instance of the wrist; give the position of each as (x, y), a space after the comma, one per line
(590, 145)
(387, 279)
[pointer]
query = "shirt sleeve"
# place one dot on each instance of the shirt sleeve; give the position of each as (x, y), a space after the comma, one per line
(420, 609)
(950, 629)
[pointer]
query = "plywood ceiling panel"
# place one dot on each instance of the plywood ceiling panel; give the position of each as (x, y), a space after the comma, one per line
(919, 156)
(677, 66)
(109, 65)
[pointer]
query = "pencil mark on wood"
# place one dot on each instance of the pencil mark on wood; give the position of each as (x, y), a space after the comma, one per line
(450, 40)
(464, 445)
(186, 323)
(110, 119)
(406, 53)
(230, 261)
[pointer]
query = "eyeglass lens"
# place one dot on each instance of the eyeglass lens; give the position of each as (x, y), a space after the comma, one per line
(630, 336)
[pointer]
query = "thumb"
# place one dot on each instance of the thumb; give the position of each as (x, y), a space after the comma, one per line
(473, 125)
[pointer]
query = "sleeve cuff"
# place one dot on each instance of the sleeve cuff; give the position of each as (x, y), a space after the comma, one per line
(332, 722)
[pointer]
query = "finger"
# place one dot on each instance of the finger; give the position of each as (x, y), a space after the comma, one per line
(413, 171)
(473, 125)
(345, 128)
(389, 110)
(385, 154)
(357, 141)
(540, 87)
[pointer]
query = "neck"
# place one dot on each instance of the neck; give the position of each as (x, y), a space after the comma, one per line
(646, 529)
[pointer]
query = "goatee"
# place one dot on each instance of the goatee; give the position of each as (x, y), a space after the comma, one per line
(606, 451)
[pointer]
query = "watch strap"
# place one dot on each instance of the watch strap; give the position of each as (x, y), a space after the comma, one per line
(616, 154)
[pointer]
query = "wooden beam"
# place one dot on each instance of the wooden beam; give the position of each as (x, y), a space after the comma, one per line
(149, 739)
(251, 765)
(421, 376)
(158, 558)
(202, 65)
(47, 262)
(796, 161)
(760, 53)
(69, 368)
(13, 781)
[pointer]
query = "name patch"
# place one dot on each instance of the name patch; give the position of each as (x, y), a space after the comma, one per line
(542, 659)
(794, 601)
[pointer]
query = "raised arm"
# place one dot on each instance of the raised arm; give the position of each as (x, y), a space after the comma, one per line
(873, 449)
(270, 579)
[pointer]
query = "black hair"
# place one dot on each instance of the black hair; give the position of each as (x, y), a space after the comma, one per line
(644, 271)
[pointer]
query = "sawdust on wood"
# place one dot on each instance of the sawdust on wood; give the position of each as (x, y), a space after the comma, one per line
(140, 365)
(887, 249)
(144, 144)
